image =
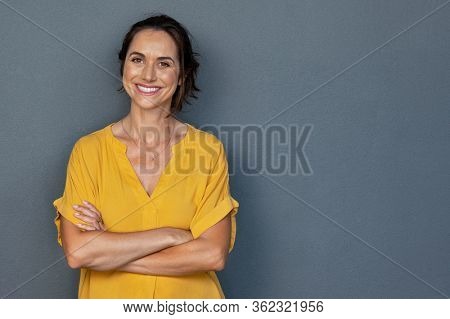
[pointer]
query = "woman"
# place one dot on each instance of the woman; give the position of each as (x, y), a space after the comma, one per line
(146, 210)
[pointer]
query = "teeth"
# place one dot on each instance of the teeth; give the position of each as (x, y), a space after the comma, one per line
(146, 89)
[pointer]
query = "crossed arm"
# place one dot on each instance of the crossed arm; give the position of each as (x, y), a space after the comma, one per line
(163, 251)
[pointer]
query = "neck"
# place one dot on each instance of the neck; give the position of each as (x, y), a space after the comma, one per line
(153, 127)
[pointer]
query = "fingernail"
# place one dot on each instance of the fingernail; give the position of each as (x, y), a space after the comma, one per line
(75, 206)
(86, 202)
(76, 214)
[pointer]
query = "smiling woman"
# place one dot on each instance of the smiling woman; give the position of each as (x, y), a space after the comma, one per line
(147, 73)
(146, 210)
(174, 40)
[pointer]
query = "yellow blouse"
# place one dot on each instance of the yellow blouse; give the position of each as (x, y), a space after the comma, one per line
(192, 193)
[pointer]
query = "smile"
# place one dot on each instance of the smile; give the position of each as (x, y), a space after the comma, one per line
(148, 90)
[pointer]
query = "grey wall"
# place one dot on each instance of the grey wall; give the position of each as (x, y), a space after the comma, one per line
(372, 77)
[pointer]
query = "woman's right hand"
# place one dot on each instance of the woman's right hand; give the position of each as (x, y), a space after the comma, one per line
(90, 215)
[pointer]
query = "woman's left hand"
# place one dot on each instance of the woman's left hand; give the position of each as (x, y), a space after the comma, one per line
(90, 215)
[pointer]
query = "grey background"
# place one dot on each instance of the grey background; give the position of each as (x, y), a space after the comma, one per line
(372, 221)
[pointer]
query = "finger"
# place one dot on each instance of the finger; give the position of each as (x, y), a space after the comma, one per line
(86, 211)
(86, 214)
(97, 226)
(89, 221)
(85, 227)
(85, 218)
(92, 207)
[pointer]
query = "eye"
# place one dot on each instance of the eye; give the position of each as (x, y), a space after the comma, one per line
(165, 64)
(136, 60)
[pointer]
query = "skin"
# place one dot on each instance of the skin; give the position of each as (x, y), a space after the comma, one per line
(208, 252)
(163, 251)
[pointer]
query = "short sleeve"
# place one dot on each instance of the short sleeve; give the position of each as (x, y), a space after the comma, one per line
(79, 186)
(216, 202)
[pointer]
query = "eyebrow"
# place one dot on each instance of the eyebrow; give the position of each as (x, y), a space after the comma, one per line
(159, 58)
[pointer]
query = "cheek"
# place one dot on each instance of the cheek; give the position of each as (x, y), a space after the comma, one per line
(168, 76)
(127, 78)
(129, 72)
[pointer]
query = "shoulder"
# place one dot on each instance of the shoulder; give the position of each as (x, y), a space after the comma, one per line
(92, 141)
(206, 144)
(89, 146)
(199, 136)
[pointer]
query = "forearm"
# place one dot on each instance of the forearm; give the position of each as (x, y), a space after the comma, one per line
(103, 250)
(199, 255)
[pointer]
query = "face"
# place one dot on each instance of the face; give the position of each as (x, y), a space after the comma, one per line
(151, 69)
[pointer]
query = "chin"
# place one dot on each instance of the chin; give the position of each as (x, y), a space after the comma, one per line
(147, 103)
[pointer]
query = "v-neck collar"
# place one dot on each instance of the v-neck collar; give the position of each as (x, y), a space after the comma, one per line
(121, 148)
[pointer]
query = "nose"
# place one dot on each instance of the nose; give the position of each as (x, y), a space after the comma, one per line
(149, 72)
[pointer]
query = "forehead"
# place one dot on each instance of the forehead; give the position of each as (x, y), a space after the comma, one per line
(153, 43)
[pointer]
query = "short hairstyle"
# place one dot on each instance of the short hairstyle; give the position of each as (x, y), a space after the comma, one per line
(188, 62)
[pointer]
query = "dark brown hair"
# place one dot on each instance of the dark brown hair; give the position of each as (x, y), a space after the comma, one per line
(188, 62)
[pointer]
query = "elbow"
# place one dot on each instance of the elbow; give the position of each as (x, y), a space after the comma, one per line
(219, 265)
(77, 260)
(220, 260)
(74, 261)
(74, 258)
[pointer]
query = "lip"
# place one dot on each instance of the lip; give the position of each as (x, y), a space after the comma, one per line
(147, 86)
